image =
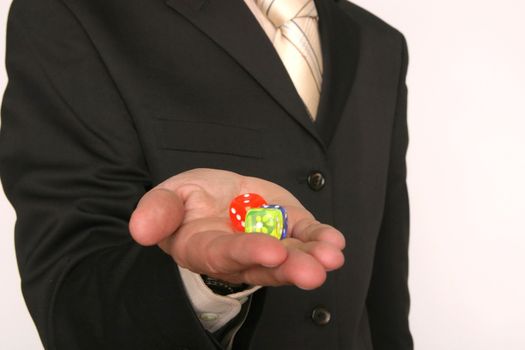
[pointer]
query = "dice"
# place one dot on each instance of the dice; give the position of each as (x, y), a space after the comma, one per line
(269, 219)
(240, 205)
(284, 216)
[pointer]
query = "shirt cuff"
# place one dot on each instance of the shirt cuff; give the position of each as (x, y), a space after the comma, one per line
(213, 310)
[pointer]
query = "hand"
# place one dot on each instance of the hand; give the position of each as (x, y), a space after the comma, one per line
(187, 216)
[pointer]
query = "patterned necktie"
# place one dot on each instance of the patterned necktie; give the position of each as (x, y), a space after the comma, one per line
(297, 43)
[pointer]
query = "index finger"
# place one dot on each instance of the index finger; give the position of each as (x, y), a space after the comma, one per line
(304, 227)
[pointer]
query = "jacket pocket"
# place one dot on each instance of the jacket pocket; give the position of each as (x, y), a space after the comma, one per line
(208, 137)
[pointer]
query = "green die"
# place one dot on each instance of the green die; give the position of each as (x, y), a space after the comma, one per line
(269, 221)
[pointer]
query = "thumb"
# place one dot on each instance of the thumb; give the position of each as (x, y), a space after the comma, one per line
(158, 214)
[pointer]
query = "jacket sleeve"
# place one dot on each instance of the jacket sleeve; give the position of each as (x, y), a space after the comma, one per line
(72, 166)
(388, 299)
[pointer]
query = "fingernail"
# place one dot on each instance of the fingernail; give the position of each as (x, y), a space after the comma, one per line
(270, 265)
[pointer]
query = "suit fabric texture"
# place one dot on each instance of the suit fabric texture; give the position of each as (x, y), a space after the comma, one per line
(107, 98)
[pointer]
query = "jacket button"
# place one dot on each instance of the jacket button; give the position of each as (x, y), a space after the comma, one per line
(316, 180)
(321, 316)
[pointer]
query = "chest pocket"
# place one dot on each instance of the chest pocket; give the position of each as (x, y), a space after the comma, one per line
(209, 137)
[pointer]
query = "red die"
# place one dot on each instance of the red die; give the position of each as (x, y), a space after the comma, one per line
(240, 205)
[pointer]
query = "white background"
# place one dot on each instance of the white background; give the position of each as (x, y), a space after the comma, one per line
(466, 177)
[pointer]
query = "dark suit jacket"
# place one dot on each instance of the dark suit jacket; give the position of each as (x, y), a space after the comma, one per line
(106, 98)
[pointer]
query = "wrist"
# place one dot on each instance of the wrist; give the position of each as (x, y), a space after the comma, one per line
(222, 287)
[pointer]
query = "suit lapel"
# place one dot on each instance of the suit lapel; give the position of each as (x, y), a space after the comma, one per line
(340, 45)
(231, 25)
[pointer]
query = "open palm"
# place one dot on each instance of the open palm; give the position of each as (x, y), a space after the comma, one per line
(187, 216)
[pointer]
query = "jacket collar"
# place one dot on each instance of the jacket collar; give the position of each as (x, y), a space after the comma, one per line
(242, 37)
(340, 49)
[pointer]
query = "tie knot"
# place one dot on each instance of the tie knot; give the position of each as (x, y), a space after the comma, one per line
(281, 11)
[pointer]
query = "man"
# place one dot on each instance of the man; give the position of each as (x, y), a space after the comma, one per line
(163, 111)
